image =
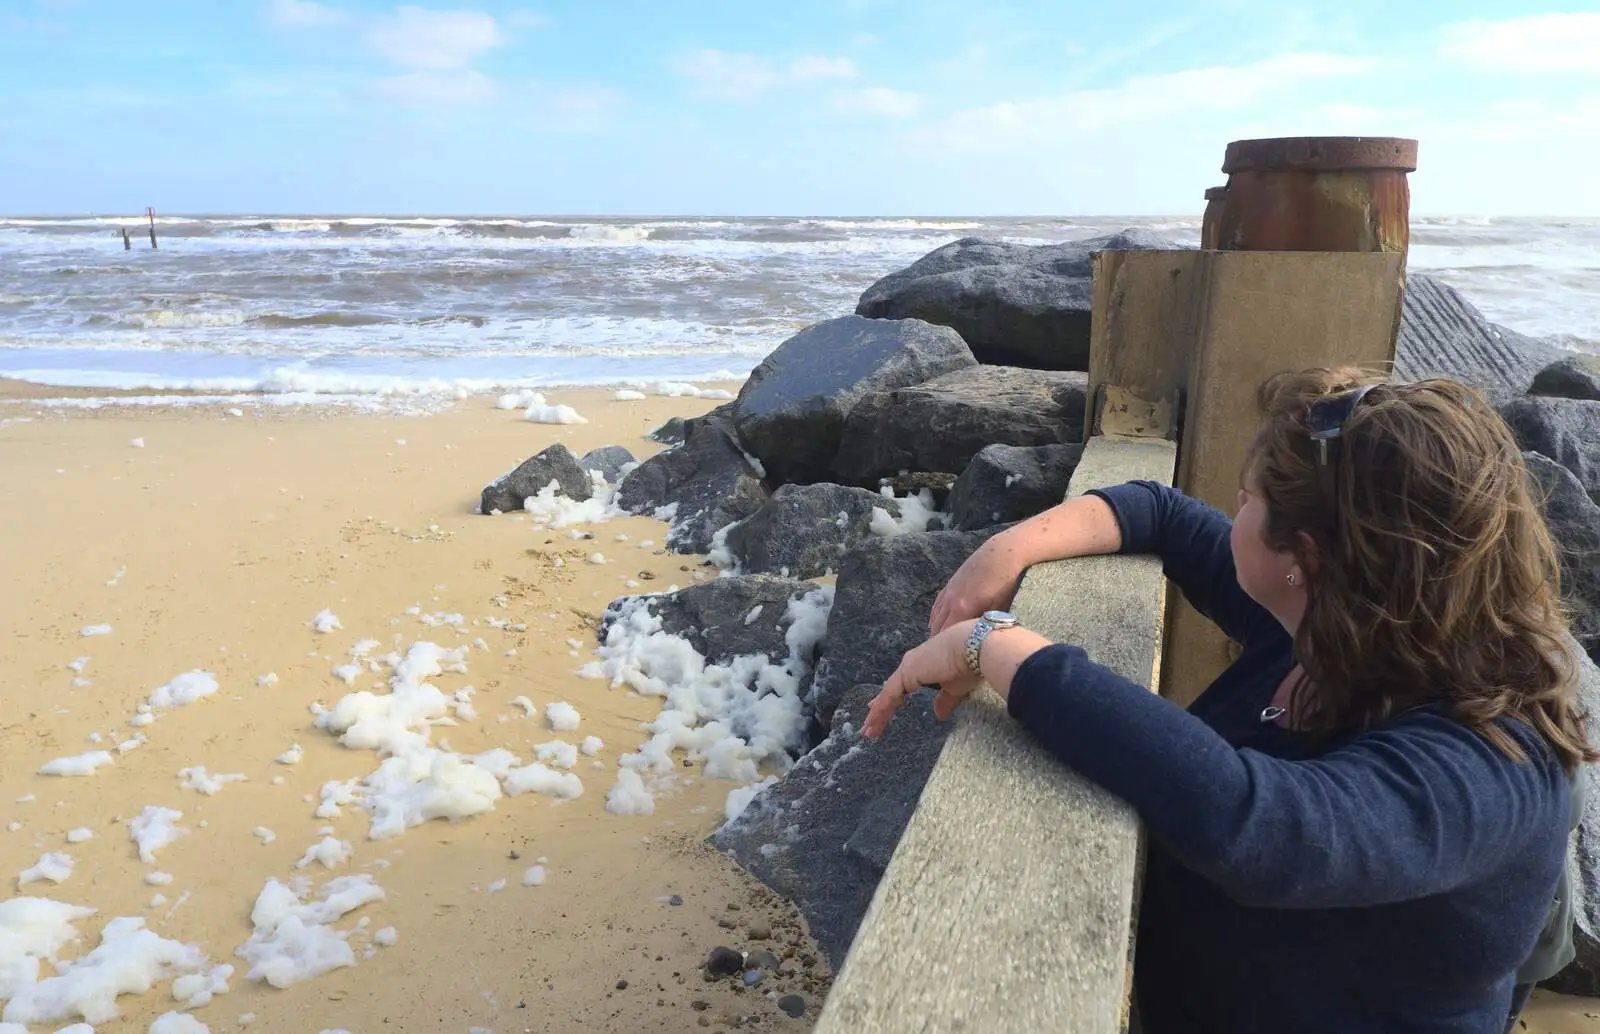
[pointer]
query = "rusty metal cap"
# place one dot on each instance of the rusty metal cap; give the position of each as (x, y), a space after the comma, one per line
(1321, 153)
(1216, 193)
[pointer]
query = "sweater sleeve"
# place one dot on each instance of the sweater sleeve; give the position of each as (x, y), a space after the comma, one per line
(1192, 540)
(1408, 811)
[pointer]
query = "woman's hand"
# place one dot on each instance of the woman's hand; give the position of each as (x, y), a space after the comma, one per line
(987, 580)
(942, 662)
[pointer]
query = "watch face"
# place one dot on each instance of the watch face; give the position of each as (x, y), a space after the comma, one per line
(998, 617)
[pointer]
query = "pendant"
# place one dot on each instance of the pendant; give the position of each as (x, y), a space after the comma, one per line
(1272, 714)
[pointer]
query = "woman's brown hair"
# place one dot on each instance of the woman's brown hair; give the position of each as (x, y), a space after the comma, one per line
(1431, 576)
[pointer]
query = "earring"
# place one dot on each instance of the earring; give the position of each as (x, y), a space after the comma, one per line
(1291, 579)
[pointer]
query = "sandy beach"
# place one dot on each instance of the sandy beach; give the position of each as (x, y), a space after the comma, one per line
(212, 546)
(209, 537)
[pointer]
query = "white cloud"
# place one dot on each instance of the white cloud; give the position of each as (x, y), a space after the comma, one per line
(1531, 43)
(1144, 99)
(730, 75)
(416, 37)
(437, 89)
(880, 101)
(304, 12)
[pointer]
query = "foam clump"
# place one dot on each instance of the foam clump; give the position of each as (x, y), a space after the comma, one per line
(330, 851)
(154, 828)
(562, 716)
(79, 835)
(388, 937)
(916, 510)
(196, 990)
(291, 756)
(549, 508)
(540, 411)
(629, 395)
(77, 765)
(93, 630)
(397, 721)
(559, 753)
(739, 799)
(129, 960)
(590, 746)
(54, 866)
(536, 778)
(734, 717)
(326, 621)
(630, 796)
(184, 689)
(32, 931)
(178, 1023)
(533, 876)
(682, 389)
(294, 940)
(201, 781)
(410, 789)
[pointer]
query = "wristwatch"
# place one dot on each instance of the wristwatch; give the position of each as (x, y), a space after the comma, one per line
(991, 620)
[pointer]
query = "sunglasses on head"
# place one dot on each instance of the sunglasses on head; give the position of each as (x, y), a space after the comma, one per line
(1326, 419)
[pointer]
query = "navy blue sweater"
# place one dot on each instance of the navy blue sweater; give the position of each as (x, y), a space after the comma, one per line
(1391, 880)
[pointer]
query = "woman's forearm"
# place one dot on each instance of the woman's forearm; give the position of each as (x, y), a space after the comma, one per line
(1085, 526)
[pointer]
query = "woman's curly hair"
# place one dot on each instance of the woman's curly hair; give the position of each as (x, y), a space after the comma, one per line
(1431, 576)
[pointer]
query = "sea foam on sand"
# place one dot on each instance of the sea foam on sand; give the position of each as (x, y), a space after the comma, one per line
(294, 939)
(735, 717)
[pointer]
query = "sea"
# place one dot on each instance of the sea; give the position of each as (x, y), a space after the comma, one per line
(302, 309)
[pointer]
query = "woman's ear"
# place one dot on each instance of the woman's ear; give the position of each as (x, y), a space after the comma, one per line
(1310, 555)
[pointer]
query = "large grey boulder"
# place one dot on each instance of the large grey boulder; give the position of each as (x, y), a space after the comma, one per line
(1014, 304)
(941, 425)
(804, 530)
(607, 461)
(1574, 521)
(1565, 430)
(791, 411)
(707, 481)
(823, 834)
(882, 600)
(1575, 377)
(1582, 976)
(1444, 335)
(715, 616)
(1008, 483)
(528, 478)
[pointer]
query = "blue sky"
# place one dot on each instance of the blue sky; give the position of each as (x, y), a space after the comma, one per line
(867, 107)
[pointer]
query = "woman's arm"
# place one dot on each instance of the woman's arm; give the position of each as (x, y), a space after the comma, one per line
(1396, 814)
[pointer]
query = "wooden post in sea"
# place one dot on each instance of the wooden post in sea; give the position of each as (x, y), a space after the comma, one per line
(127, 242)
(151, 213)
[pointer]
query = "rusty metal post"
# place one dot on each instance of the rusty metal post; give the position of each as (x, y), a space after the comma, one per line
(1331, 193)
(1210, 224)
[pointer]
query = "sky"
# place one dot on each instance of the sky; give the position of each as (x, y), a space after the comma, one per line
(752, 107)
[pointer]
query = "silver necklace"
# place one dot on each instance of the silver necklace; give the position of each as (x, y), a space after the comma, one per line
(1272, 714)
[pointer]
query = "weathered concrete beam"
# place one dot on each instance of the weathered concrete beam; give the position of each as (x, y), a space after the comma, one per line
(1008, 903)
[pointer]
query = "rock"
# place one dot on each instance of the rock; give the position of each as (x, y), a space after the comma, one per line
(760, 930)
(1575, 377)
(1565, 430)
(834, 819)
(669, 433)
(507, 492)
(1006, 483)
(792, 409)
(608, 461)
(1574, 521)
(715, 616)
(882, 599)
(1014, 304)
(707, 479)
(752, 977)
(622, 985)
(724, 962)
(804, 530)
(675, 900)
(942, 424)
(1582, 976)
(792, 1006)
(933, 482)
(1444, 335)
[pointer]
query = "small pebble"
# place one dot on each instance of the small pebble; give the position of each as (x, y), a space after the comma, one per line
(761, 958)
(675, 900)
(726, 923)
(622, 985)
(724, 962)
(699, 1005)
(752, 977)
(759, 930)
(793, 1005)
